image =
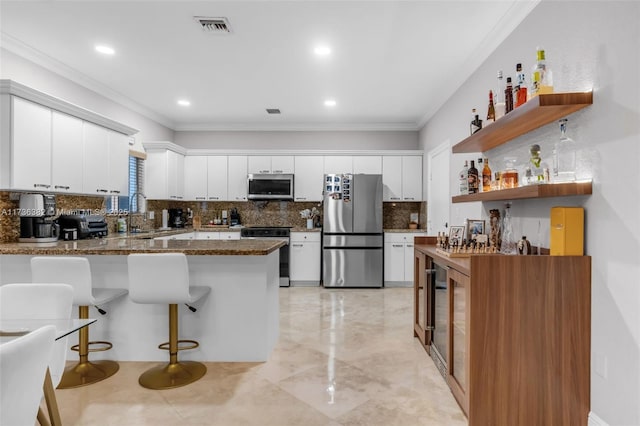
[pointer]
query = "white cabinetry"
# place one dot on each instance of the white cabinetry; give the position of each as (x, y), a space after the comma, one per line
(106, 161)
(367, 164)
(398, 258)
(237, 183)
(67, 153)
(164, 175)
(402, 178)
(118, 176)
(195, 178)
(217, 177)
(338, 164)
(203, 235)
(276, 164)
(30, 146)
(304, 258)
(309, 172)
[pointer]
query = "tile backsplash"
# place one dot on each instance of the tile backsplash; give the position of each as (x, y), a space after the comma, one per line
(261, 213)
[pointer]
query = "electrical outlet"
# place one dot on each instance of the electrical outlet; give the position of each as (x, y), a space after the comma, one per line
(152, 215)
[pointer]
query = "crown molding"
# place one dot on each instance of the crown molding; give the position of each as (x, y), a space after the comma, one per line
(299, 152)
(297, 127)
(11, 87)
(516, 13)
(27, 52)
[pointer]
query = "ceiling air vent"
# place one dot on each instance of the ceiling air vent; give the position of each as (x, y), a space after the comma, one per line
(273, 111)
(213, 25)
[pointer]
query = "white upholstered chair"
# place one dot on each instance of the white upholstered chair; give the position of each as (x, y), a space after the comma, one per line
(76, 272)
(23, 365)
(164, 278)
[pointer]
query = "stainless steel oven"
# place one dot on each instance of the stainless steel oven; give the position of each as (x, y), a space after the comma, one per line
(273, 233)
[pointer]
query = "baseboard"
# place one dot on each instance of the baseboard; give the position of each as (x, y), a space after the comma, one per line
(594, 420)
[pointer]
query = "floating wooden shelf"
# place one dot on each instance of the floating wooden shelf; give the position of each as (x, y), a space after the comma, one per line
(537, 112)
(531, 191)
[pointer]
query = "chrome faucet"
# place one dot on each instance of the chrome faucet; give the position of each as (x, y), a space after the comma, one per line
(135, 196)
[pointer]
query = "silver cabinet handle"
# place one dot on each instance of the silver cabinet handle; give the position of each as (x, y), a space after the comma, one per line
(277, 171)
(297, 245)
(41, 185)
(397, 245)
(409, 198)
(115, 191)
(61, 187)
(101, 190)
(301, 198)
(201, 198)
(214, 198)
(394, 198)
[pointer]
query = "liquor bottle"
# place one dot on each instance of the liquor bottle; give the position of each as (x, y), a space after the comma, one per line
(463, 177)
(564, 156)
(499, 97)
(473, 178)
(508, 97)
(508, 243)
(491, 112)
(486, 176)
(520, 91)
(537, 166)
(541, 76)
(479, 167)
(476, 123)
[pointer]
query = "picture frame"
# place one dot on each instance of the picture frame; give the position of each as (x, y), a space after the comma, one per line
(474, 227)
(456, 235)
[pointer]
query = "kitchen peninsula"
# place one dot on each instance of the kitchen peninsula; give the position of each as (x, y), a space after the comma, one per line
(238, 321)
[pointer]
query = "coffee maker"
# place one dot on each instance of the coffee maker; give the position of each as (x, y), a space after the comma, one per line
(176, 218)
(36, 218)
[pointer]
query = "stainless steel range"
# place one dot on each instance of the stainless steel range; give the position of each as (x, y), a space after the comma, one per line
(273, 233)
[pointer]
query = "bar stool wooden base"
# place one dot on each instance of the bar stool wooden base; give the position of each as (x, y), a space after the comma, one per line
(86, 373)
(170, 376)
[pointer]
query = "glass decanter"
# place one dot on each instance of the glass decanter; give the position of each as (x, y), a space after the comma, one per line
(508, 245)
(564, 156)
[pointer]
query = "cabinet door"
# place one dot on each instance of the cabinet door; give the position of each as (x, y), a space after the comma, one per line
(175, 175)
(118, 164)
(96, 159)
(391, 178)
(216, 177)
(393, 261)
(458, 356)
(66, 153)
(259, 164)
(304, 260)
(408, 262)
(338, 164)
(420, 298)
(155, 172)
(237, 183)
(412, 178)
(308, 179)
(195, 178)
(282, 164)
(368, 164)
(31, 146)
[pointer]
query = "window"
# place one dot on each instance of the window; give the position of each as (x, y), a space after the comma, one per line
(116, 204)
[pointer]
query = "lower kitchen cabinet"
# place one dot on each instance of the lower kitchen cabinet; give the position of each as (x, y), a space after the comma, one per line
(398, 258)
(518, 350)
(304, 258)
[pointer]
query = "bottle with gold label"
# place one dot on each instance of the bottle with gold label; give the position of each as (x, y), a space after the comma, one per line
(486, 176)
(491, 112)
(541, 76)
(473, 178)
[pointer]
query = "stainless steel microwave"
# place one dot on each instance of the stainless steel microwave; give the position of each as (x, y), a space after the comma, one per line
(270, 187)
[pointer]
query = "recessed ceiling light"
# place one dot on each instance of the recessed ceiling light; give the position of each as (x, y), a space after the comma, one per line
(184, 102)
(330, 103)
(105, 49)
(322, 50)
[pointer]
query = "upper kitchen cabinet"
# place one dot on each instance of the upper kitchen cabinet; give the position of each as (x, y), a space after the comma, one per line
(47, 144)
(367, 164)
(106, 161)
(217, 178)
(30, 146)
(67, 153)
(267, 164)
(308, 179)
(195, 178)
(164, 174)
(237, 178)
(338, 164)
(402, 178)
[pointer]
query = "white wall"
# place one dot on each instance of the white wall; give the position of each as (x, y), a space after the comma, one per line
(338, 140)
(23, 71)
(588, 44)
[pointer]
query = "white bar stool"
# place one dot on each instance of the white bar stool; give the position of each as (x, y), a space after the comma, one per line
(77, 272)
(164, 278)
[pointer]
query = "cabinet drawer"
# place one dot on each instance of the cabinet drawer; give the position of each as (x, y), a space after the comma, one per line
(305, 237)
(401, 237)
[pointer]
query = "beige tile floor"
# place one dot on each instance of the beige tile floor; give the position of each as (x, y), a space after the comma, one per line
(344, 357)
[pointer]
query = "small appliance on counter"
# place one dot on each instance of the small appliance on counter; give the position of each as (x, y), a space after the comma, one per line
(86, 225)
(36, 223)
(176, 218)
(235, 217)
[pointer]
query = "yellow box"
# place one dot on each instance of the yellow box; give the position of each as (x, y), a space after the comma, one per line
(567, 231)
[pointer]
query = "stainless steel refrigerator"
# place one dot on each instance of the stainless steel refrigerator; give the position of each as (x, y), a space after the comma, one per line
(352, 241)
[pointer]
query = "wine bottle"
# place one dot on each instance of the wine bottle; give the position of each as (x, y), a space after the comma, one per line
(520, 91)
(463, 177)
(473, 178)
(508, 97)
(491, 112)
